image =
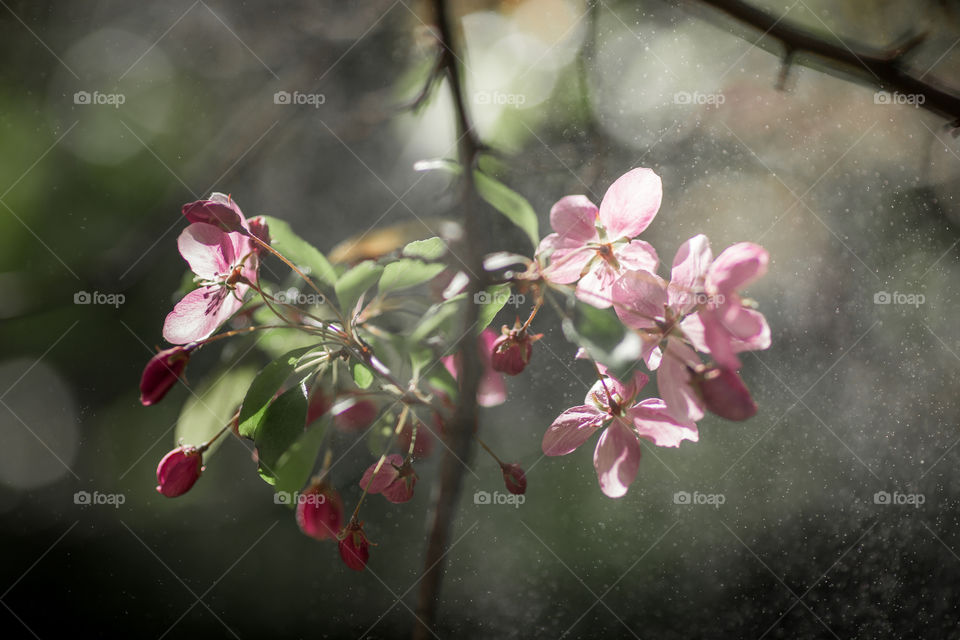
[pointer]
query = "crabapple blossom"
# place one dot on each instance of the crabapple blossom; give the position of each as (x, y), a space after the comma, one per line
(493, 389)
(354, 546)
(611, 403)
(593, 246)
(225, 264)
(512, 350)
(514, 478)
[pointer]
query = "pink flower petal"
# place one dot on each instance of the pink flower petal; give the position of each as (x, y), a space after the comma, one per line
(674, 382)
(571, 429)
(637, 255)
(617, 458)
(653, 421)
(631, 203)
(736, 267)
(596, 286)
(626, 392)
(575, 217)
(639, 298)
(200, 313)
(567, 260)
(207, 249)
(689, 273)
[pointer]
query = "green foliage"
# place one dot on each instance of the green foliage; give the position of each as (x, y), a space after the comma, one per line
(293, 468)
(300, 252)
(282, 425)
(429, 249)
(604, 337)
(406, 273)
(212, 406)
(264, 387)
(355, 282)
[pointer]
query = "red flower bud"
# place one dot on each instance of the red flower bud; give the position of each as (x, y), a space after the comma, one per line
(320, 511)
(178, 470)
(354, 415)
(224, 216)
(514, 478)
(725, 394)
(161, 373)
(354, 546)
(512, 350)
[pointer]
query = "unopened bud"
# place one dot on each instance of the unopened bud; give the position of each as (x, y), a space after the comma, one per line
(320, 512)
(178, 471)
(724, 394)
(354, 546)
(514, 478)
(161, 373)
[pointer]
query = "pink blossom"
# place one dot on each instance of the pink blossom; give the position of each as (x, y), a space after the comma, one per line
(594, 246)
(493, 389)
(617, 455)
(225, 263)
(395, 479)
(671, 319)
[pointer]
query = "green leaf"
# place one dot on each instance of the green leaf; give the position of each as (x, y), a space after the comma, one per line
(510, 203)
(362, 376)
(440, 379)
(404, 273)
(281, 426)
(604, 337)
(429, 249)
(380, 436)
(263, 388)
(420, 358)
(300, 252)
(497, 296)
(354, 282)
(498, 195)
(205, 413)
(436, 316)
(294, 466)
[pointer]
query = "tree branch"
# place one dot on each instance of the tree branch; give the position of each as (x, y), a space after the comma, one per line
(459, 433)
(884, 69)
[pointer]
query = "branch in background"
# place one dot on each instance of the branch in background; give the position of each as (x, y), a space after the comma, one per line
(459, 435)
(884, 69)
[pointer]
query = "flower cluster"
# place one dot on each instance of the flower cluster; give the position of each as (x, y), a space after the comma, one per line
(698, 310)
(345, 362)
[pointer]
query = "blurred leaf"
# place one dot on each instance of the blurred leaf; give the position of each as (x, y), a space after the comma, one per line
(263, 388)
(379, 437)
(362, 376)
(604, 337)
(440, 379)
(354, 282)
(510, 203)
(435, 317)
(403, 274)
(300, 252)
(205, 413)
(498, 195)
(420, 358)
(429, 249)
(497, 296)
(281, 426)
(294, 466)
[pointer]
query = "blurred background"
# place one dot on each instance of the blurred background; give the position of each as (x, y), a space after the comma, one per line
(832, 513)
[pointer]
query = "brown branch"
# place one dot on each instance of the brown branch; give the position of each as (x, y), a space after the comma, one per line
(463, 426)
(884, 69)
